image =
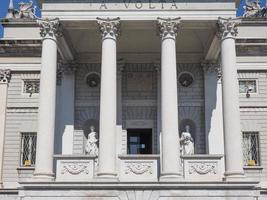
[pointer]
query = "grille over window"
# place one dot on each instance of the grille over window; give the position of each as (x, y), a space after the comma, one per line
(251, 149)
(31, 86)
(28, 149)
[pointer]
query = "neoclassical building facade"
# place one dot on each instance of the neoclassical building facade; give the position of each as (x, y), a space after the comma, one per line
(133, 100)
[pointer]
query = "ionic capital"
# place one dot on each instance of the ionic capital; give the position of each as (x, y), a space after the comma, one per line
(49, 27)
(212, 66)
(227, 28)
(109, 28)
(168, 28)
(5, 76)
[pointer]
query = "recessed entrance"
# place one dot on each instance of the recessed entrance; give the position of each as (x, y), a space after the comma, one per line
(139, 141)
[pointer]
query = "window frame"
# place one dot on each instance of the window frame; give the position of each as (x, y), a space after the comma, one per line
(259, 162)
(21, 164)
(248, 79)
(23, 86)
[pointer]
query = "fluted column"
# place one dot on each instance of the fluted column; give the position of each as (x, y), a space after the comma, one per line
(108, 104)
(47, 101)
(231, 114)
(170, 169)
(5, 76)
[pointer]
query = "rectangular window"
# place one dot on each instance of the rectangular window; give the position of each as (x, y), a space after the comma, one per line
(28, 149)
(139, 141)
(31, 86)
(251, 149)
(247, 86)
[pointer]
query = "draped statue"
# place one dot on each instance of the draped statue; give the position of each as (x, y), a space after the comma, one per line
(187, 142)
(91, 147)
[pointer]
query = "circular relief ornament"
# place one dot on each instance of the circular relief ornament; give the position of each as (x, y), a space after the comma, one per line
(186, 79)
(93, 80)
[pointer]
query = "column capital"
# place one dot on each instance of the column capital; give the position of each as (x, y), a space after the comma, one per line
(5, 76)
(212, 66)
(168, 28)
(109, 28)
(227, 28)
(49, 27)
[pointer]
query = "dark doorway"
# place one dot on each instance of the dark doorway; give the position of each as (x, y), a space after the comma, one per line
(139, 141)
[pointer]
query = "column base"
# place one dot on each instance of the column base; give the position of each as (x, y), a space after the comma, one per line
(107, 177)
(43, 177)
(234, 176)
(170, 177)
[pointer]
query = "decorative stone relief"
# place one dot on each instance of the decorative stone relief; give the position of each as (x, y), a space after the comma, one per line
(5, 75)
(202, 168)
(109, 27)
(75, 168)
(227, 27)
(49, 27)
(168, 28)
(138, 168)
(26, 11)
(253, 9)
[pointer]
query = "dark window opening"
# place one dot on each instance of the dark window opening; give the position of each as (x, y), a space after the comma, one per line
(139, 141)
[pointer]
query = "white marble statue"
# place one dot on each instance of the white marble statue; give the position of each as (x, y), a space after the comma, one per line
(91, 147)
(187, 142)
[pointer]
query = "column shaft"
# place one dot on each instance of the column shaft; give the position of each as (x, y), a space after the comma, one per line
(169, 101)
(108, 103)
(47, 106)
(231, 113)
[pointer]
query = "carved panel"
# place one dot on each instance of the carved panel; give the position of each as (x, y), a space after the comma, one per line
(138, 168)
(75, 169)
(202, 168)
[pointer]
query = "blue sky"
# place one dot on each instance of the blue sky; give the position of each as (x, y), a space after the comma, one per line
(4, 6)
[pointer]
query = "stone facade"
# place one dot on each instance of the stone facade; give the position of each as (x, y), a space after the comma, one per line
(140, 72)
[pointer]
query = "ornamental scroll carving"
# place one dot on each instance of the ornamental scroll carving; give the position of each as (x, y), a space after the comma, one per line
(74, 168)
(5, 75)
(168, 28)
(203, 168)
(109, 27)
(49, 27)
(138, 168)
(227, 27)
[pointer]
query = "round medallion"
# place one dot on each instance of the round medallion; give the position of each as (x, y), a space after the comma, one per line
(185, 79)
(93, 80)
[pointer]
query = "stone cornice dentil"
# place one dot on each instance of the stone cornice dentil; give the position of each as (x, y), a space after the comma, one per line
(109, 28)
(49, 27)
(168, 28)
(212, 66)
(227, 28)
(5, 76)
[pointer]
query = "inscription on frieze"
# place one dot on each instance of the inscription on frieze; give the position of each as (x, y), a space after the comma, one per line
(127, 4)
